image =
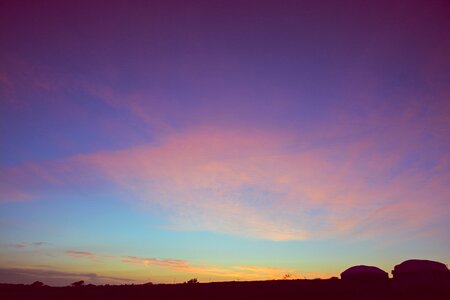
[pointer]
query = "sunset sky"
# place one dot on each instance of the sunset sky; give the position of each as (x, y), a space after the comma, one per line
(221, 140)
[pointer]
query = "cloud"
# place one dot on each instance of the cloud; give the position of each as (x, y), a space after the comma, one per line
(17, 245)
(195, 268)
(87, 255)
(173, 263)
(185, 267)
(233, 272)
(39, 243)
(208, 183)
(53, 277)
(81, 254)
(350, 180)
(270, 186)
(26, 245)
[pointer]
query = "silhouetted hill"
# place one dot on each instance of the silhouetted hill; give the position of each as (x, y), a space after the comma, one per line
(277, 289)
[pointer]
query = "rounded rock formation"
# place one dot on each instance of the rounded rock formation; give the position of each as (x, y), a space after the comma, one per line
(419, 265)
(364, 272)
(420, 273)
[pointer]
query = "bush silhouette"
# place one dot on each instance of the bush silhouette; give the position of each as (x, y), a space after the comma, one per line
(78, 283)
(192, 281)
(37, 284)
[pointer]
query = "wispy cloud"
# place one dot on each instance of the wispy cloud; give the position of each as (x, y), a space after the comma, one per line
(271, 185)
(87, 255)
(267, 186)
(17, 245)
(233, 272)
(26, 245)
(39, 243)
(81, 254)
(195, 268)
(54, 277)
(172, 263)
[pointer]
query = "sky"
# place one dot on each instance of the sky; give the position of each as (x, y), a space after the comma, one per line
(159, 141)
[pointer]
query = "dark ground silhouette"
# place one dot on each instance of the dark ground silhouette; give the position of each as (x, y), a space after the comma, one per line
(275, 289)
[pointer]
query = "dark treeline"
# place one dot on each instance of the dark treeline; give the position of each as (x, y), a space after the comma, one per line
(275, 289)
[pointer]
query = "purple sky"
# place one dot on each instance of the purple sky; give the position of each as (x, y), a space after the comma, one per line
(224, 140)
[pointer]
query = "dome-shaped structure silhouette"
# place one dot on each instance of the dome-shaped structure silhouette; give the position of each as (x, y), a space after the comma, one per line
(365, 278)
(364, 272)
(419, 265)
(421, 273)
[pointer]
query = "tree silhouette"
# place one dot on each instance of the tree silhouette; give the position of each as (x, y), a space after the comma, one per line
(192, 281)
(37, 284)
(78, 283)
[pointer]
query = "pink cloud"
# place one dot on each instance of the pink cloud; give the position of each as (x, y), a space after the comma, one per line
(270, 185)
(81, 254)
(234, 272)
(248, 183)
(18, 245)
(88, 255)
(172, 263)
